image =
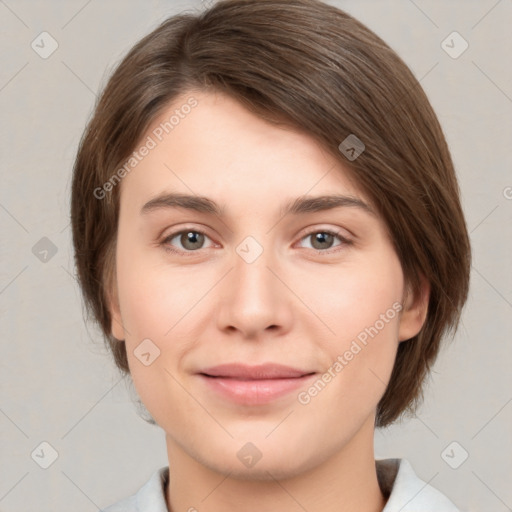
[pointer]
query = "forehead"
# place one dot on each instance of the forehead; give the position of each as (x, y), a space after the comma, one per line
(219, 148)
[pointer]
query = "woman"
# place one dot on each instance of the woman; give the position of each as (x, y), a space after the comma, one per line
(267, 228)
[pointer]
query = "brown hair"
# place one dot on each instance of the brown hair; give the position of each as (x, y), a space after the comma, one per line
(322, 71)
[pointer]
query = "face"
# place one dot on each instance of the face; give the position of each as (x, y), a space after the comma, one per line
(315, 289)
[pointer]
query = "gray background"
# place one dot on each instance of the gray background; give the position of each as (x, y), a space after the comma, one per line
(57, 383)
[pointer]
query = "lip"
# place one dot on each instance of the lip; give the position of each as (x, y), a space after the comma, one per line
(254, 385)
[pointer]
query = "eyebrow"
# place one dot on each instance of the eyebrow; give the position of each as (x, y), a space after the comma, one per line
(300, 205)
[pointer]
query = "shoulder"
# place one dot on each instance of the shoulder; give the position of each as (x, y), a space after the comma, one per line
(149, 498)
(408, 492)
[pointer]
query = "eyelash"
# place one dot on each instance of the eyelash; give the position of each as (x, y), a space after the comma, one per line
(168, 248)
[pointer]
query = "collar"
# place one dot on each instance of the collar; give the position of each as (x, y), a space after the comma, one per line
(404, 490)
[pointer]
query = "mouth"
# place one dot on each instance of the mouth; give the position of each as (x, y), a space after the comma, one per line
(254, 385)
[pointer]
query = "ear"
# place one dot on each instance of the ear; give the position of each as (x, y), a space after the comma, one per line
(116, 324)
(414, 311)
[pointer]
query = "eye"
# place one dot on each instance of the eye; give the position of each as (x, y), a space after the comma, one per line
(190, 239)
(322, 239)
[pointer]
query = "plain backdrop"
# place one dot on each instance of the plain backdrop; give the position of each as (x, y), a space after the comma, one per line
(57, 383)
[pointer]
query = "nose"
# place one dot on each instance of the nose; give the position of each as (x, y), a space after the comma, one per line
(254, 299)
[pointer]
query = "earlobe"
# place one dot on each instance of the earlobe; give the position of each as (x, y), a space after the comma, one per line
(414, 312)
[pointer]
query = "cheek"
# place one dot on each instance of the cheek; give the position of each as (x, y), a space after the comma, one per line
(354, 297)
(361, 309)
(156, 305)
(154, 296)
(154, 301)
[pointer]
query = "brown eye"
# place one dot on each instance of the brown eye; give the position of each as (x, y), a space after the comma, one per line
(323, 240)
(190, 241)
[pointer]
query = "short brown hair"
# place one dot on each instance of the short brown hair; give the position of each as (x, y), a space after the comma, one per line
(318, 69)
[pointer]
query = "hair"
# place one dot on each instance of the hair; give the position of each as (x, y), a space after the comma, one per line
(316, 68)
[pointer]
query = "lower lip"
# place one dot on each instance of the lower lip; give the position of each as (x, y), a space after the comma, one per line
(254, 392)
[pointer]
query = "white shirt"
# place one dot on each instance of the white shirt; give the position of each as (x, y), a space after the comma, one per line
(406, 492)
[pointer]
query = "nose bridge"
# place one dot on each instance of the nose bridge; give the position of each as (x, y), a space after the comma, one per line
(255, 283)
(254, 298)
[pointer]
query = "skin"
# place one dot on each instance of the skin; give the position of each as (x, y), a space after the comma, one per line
(297, 304)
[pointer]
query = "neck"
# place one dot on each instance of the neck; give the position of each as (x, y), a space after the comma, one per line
(343, 482)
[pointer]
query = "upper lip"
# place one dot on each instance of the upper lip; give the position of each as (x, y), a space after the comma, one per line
(262, 371)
